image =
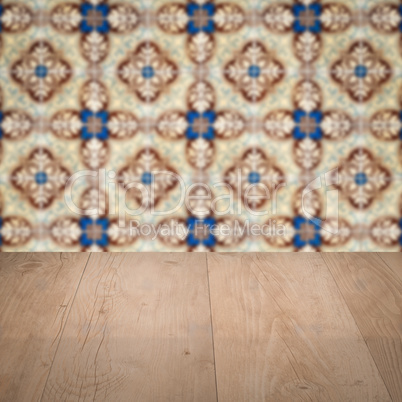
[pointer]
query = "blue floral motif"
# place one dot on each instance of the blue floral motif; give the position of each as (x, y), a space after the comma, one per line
(207, 223)
(400, 12)
(192, 10)
(148, 72)
(147, 178)
(192, 116)
(299, 224)
(86, 133)
(1, 28)
(300, 132)
(361, 179)
(102, 224)
(41, 178)
(299, 26)
(101, 24)
(41, 71)
(361, 71)
(254, 71)
(254, 177)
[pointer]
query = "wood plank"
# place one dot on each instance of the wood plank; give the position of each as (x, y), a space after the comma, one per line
(282, 332)
(373, 293)
(394, 261)
(139, 330)
(36, 294)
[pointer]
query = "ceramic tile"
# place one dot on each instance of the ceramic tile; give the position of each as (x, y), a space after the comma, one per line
(384, 221)
(127, 113)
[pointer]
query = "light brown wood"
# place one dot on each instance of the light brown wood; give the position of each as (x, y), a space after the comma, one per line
(137, 327)
(282, 332)
(139, 330)
(373, 292)
(394, 261)
(36, 294)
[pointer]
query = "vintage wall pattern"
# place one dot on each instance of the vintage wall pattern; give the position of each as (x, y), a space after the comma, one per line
(245, 93)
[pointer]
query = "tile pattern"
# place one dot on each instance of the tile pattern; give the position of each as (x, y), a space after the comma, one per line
(116, 115)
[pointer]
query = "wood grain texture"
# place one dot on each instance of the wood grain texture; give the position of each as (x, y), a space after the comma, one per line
(139, 330)
(394, 261)
(373, 293)
(36, 293)
(282, 332)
